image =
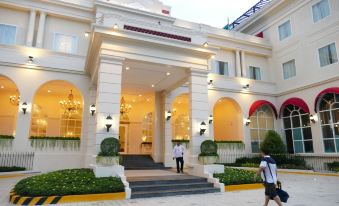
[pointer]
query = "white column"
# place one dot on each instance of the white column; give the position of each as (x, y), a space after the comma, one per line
(199, 112)
(30, 29)
(168, 161)
(108, 97)
(91, 129)
(237, 63)
(41, 30)
(243, 64)
(158, 121)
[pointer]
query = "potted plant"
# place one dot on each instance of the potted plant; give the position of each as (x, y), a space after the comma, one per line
(109, 154)
(208, 155)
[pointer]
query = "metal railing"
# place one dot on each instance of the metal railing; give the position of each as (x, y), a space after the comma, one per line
(313, 162)
(17, 159)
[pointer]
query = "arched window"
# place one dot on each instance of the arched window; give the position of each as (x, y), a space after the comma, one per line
(297, 129)
(262, 120)
(329, 120)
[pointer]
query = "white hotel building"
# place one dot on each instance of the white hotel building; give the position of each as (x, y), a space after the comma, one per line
(278, 69)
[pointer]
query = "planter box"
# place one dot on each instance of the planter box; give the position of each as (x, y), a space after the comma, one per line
(208, 160)
(108, 161)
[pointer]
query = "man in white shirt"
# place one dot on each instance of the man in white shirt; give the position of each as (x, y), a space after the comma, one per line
(268, 172)
(178, 154)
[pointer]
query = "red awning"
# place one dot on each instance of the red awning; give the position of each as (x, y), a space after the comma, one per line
(257, 104)
(296, 102)
(334, 90)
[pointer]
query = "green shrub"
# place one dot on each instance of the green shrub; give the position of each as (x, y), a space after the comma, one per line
(68, 182)
(233, 176)
(273, 143)
(6, 136)
(110, 147)
(11, 169)
(208, 148)
(333, 166)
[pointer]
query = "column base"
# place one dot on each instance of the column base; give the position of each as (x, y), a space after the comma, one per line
(108, 171)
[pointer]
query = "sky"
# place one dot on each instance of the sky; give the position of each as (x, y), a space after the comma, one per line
(211, 12)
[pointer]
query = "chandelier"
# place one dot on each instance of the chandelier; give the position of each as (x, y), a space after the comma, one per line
(14, 100)
(70, 105)
(124, 107)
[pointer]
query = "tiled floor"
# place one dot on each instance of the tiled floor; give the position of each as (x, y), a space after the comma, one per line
(304, 190)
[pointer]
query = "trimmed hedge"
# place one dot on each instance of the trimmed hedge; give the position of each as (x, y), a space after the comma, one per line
(12, 169)
(109, 147)
(208, 148)
(233, 176)
(333, 166)
(273, 143)
(68, 182)
(6, 136)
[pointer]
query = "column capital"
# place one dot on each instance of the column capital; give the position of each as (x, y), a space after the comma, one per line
(110, 59)
(198, 72)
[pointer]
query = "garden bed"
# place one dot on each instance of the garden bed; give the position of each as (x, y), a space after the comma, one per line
(12, 169)
(67, 182)
(233, 176)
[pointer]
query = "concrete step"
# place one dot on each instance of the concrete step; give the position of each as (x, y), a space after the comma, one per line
(162, 193)
(167, 181)
(140, 162)
(151, 188)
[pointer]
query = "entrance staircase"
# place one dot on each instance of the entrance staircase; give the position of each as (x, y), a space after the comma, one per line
(146, 187)
(140, 162)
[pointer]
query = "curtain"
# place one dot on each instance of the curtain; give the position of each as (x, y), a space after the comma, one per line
(254, 73)
(285, 30)
(320, 10)
(7, 34)
(65, 43)
(328, 55)
(289, 69)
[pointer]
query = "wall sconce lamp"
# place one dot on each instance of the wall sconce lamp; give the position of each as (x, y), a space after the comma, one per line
(87, 33)
(247, 121)
(24, 107)
(210, 83)
(168, 115)
(313, 118)
(203, 128)
(115, 26)
(210, 119)
(93, 109)
(30, 59)
(205, 44)
(247, 86)
(109, 122)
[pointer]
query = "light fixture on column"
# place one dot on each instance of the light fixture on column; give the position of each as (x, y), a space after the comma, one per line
(87, 33)
(313, 118)
(210, 119)
(247, 121)
(115, 26)
(213, 57)
(168, 115)
(247, 86)
(92, 108)
(205, 44)
(24, 107)
(30, 59)
(203, 128)
(108, 122)
(210, 83)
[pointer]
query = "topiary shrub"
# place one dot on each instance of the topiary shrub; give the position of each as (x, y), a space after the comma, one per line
(208, 148)
(273, 143)
(110, 147)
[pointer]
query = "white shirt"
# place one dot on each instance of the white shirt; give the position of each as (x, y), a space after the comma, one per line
(178, 151)
(267, 175)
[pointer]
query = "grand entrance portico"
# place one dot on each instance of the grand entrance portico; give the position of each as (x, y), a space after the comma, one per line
(127, 64)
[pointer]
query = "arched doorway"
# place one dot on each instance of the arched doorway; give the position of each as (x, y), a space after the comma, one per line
(10, 99)
(180, 118)
(57, 111)
(228, 120)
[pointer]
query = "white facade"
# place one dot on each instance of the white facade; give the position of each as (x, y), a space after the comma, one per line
(136, 50)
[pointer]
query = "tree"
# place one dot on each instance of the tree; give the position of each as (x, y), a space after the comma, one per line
(273, 143)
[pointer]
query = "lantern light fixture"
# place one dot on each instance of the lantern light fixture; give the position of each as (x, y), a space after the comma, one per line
(247, 86)
(30, 59)
(210, 83)
(93, 109)
(205, 44)
(210, 119)
(203, 128)
(24, 107)
(168, 115)
(313, 118)
(109, 122)
(115, 26)
(247, 121)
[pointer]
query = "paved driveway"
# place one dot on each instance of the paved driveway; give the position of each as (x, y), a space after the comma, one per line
(305, 190)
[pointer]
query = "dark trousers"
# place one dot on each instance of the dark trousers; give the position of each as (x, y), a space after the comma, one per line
(181, 160)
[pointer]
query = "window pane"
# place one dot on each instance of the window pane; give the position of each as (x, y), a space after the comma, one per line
(305, 120)
(298, 147)
(287, 111)
(262, 123)
(285, 30)
(327, 131)
(335, 116)
(254, 134)
(328, 55)
(270, 123)
(221, 68)
(297, 134)
(289, 141)
(336, 131)
(320, 10)
(329, 146)
(255, 147)
(289, 69)
(307, 133)
(296, 121)
(325, 117)
(65, 43)
(7, 34)
(287, 122)
(308, 146)
(262, 134)
(254, 123)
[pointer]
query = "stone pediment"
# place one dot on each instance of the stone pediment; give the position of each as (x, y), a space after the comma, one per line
(153, 6)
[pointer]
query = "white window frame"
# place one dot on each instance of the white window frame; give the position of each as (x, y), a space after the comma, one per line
(216, 69)
(335, 45)
(289, 20)
(282, 69)
(16, 32)
(329, 3)
(249, 73)
(76, 42)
